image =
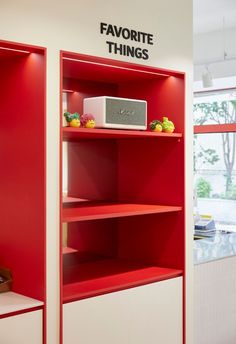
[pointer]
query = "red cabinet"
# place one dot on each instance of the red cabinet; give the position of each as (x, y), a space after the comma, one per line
(22, 173)
(123, 204)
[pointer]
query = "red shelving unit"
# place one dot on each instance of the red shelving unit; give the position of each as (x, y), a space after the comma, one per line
(22, 172)
(127, 225)
(23, 186)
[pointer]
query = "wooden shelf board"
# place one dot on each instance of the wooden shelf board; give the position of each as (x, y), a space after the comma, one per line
(11, 302)
(110, 275)
(73, 134)
(112, 210)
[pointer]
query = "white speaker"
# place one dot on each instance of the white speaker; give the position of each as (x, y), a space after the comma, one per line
(118, 113)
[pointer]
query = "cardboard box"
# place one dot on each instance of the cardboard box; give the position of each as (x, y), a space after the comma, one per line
(7, 277)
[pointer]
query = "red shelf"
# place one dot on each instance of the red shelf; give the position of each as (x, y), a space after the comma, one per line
(106, 276)
(73, 134)
(111, 210)
(68, 200)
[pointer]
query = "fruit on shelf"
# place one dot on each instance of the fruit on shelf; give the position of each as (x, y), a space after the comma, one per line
(73, 119)
(87, 120)
(156, 125)
(75, 123)
(167, 126)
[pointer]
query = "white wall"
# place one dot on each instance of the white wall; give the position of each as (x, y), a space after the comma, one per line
(74, 25)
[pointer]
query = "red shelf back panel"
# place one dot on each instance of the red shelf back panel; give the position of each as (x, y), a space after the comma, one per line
(157, 239)
(151, 172)
(106, 276)
(97, 238)
(92, 170)
(165, 98)
(106, 211)
(22, 172)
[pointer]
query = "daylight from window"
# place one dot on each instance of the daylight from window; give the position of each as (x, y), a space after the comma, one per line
(214, 160)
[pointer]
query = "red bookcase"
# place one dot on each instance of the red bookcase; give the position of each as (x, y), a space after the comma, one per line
(22, 172)
(123, 213)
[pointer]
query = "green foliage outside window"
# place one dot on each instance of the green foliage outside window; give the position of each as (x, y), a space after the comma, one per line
(223, 112)
(203, 188)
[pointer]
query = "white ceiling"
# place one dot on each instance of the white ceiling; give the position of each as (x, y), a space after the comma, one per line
(208, 15)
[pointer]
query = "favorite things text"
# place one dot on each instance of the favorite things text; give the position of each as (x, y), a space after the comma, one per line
(129, 35)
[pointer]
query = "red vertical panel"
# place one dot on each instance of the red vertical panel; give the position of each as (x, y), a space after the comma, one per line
(61, 205)
(22, 172)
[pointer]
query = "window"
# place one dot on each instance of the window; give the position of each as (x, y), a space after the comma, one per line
(215, 157)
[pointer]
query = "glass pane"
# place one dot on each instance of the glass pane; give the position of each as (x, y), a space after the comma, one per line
(215, 109)
(215, 178)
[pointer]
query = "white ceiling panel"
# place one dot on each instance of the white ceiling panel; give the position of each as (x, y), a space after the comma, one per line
(208, 15)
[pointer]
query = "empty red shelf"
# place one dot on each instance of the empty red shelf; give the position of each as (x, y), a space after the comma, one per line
(109, 275)
(111, 210)
(72, 134)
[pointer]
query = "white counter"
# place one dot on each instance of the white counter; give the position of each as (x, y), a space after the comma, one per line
(215, 290)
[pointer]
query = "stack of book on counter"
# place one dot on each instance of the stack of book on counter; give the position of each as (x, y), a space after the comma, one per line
(204, 227)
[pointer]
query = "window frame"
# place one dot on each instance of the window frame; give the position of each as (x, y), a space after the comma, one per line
(214, 128)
